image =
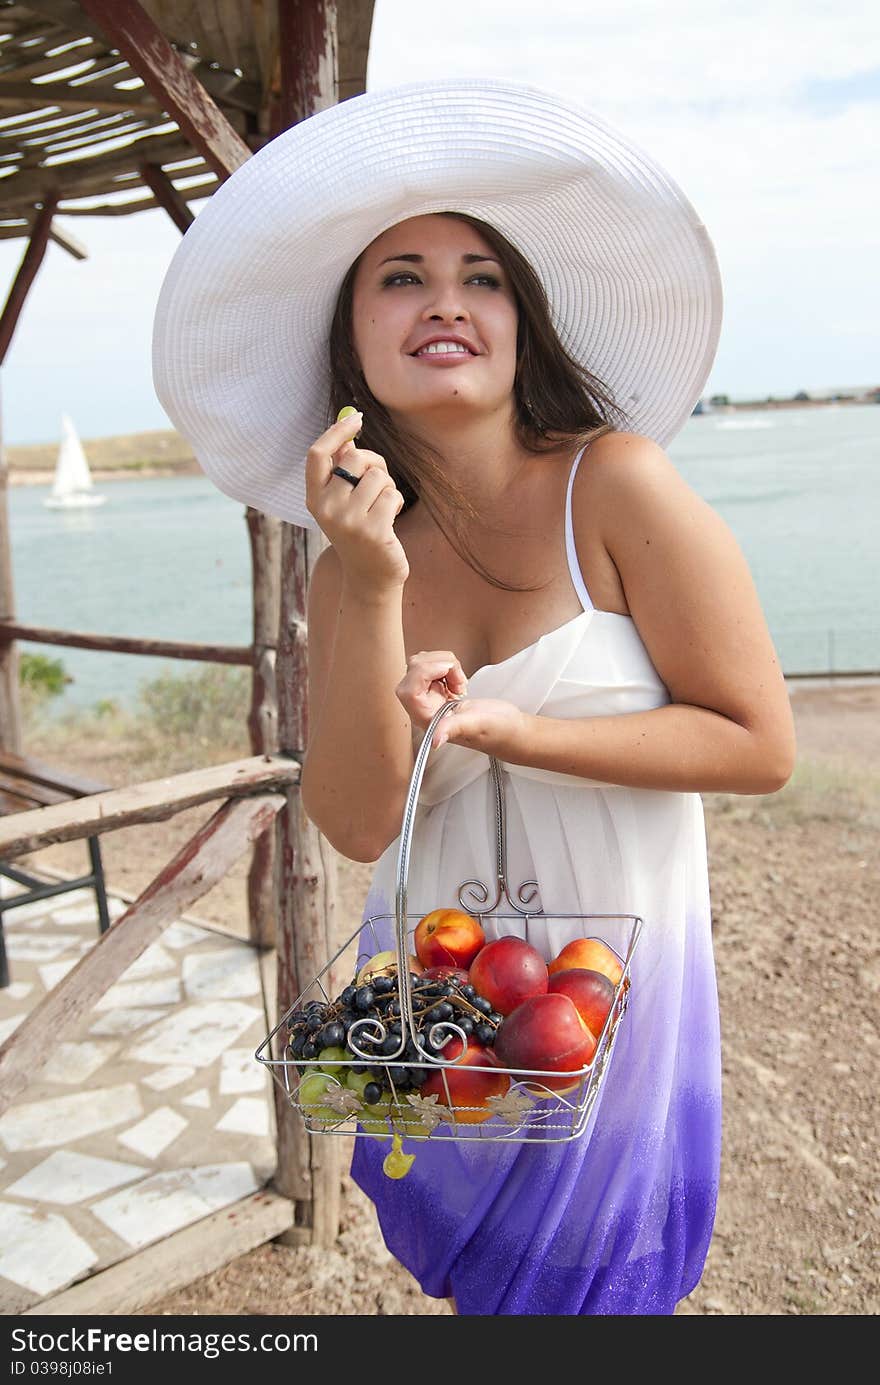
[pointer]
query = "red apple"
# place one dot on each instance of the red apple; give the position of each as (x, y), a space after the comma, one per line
(591, 992)
(508, 971)
(589, 954)
(448, 937)
(467, 1087)
(546, 1032)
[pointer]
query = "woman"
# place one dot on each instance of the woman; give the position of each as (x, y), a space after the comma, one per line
(506, 525)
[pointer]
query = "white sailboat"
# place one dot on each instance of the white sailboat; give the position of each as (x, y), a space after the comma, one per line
(72, 488)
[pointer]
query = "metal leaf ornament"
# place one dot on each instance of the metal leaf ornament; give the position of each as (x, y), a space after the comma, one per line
(343, 1101)
(512, 1106)
(429, 1110)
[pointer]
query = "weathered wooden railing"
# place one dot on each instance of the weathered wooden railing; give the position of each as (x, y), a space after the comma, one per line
(254, 794)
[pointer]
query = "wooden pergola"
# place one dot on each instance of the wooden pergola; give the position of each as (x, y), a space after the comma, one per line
(109, 108)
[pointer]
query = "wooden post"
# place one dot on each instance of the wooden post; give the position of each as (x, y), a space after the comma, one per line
(309, 1167)
(10, 705)
(264, 533)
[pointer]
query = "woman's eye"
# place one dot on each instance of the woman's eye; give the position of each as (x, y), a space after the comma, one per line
(405, 274)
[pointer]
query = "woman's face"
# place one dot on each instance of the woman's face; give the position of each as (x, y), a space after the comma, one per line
(426, 278)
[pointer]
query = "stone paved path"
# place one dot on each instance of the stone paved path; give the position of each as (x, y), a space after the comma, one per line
(151, 1115)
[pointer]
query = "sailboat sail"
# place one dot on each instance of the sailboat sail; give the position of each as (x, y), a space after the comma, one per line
(73, 484)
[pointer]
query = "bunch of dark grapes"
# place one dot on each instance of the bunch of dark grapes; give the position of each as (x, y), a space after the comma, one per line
(323, 1025)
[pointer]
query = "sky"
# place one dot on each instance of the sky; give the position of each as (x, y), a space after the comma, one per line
(767, 114)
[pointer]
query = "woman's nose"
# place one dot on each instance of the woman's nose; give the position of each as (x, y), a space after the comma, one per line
(446, 302)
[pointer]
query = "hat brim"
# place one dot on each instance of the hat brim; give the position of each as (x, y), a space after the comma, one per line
(241, 328)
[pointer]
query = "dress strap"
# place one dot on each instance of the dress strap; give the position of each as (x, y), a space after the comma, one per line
(570, 549)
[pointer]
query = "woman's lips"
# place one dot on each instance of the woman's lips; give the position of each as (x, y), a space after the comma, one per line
(444, 357)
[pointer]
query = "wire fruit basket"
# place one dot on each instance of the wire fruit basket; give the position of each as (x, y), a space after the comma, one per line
(405, 1052)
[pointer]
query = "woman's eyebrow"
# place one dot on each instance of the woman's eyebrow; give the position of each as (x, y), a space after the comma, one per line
(419, 259)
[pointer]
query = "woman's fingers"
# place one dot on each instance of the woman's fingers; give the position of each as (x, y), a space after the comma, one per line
(426, 669)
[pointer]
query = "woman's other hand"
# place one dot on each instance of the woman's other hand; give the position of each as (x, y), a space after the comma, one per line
(357, 520)
(488, 724)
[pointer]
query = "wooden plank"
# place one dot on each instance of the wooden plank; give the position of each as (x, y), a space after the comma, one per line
(154, 800)
(166, 195)
(130, 29)
(95, 173)
(27, 272)
(175, 1261)
(105, 97)
(196, 868)
(125, 644)
(36, 772)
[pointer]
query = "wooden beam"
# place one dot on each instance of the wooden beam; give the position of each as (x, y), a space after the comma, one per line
(130, 29)
(128, 644)
(173, 1262)
(30, 264)
(166, 195)
(69, 243)
(155, 800)
(198, 867)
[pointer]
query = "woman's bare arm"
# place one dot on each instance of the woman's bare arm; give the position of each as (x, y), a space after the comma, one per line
(359, 759)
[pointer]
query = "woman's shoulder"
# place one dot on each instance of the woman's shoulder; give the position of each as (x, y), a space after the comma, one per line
(626, 469)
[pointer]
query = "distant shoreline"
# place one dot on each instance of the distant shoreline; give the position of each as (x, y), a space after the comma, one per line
(133, 473)
(162, 454)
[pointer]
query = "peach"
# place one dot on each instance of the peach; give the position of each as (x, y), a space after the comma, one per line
(546, 1032)
(467, 1087)
(447, 973)
(448, 937)
(385, 964)
(588, 954)
(508, 971)
(591, 992)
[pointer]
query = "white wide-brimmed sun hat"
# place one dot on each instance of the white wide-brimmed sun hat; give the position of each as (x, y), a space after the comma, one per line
(240, 343)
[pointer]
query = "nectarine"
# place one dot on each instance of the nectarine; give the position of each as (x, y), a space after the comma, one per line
(546, 1032)
(589, 954)
(448, 937)
(507, 971)
(467, 1088)
(592, 993)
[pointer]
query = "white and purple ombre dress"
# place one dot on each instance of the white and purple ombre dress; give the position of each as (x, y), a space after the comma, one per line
(619, 1220)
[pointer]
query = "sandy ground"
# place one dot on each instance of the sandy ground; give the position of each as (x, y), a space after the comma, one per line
(794, 886)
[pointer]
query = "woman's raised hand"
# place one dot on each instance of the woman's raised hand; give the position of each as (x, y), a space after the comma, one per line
(358, 520)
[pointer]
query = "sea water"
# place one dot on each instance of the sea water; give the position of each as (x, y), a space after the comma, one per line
(169, 558)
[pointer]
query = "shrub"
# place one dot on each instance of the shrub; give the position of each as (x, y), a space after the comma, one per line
(196, 717)
(41, 676)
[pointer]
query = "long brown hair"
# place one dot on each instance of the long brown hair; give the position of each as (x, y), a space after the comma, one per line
(557, 400)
